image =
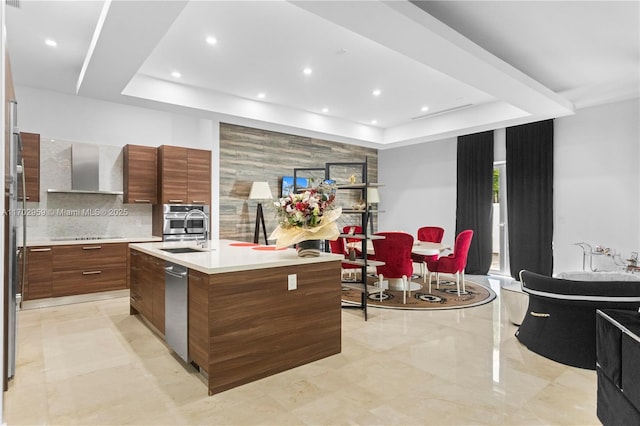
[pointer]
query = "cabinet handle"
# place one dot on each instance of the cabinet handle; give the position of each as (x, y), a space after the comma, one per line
(91, 272)
(198, 201)
(141, 201)
(91, 248)
(41, 249)
(539, 315)
(176, 201)
(20, 198)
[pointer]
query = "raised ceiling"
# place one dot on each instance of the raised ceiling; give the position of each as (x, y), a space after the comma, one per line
(474, 65)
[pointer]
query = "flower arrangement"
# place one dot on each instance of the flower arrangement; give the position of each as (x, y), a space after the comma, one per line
(309, 215)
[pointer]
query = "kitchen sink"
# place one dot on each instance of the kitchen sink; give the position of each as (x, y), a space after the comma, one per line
(181, 250)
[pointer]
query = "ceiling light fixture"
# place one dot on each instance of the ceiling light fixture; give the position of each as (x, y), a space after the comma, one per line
(307, 71)
(325, 109)
(374, 121)
(261, 95)
(424, 109)
(50, 42)
(442, 111)
(176, 74)
(211, 40)
(377, 92)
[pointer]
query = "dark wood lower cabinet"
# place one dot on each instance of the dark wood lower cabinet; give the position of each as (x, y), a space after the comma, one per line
(247, 325)
(92, 280)
(147, 288)
(157, 293)
(135, 281)
(39, 278)
(68, 270)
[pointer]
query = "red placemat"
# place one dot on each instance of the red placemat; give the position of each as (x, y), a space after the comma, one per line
(268, 248)
(243, 244)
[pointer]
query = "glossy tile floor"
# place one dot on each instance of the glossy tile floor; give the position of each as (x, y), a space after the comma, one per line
(93, 364)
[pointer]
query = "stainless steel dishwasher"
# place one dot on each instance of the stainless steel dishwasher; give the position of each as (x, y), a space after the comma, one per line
(176, 332)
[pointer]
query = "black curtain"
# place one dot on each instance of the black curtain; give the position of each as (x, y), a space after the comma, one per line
(474, 209)
(530, 197)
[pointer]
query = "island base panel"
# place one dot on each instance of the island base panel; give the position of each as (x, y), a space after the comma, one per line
(256, 327)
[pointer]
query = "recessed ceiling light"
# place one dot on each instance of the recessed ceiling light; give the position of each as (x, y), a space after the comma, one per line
(261, 95)
(211, 40)
(176, 74)
(325, 109)
(50, 42)
(307, 71)
(424, 109)
(376, 92)
(374, 121)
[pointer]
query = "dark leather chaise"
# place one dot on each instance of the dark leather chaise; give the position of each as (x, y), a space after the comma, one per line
(560, 323)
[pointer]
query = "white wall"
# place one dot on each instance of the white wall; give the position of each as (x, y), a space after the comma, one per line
(597, 183)
(77, 119)
(419, 187)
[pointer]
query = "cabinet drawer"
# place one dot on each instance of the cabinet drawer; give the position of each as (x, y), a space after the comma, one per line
(67, 283)
(39, 273)
(89, 256)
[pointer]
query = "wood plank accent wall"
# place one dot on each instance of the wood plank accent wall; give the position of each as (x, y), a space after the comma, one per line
(248, 155)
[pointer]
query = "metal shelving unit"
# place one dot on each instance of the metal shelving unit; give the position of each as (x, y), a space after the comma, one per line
(364, 217)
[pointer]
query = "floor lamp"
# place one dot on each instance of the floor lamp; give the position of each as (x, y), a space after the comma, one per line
(260, 191)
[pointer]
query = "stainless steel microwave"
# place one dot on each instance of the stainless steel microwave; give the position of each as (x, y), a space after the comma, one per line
(174, 220)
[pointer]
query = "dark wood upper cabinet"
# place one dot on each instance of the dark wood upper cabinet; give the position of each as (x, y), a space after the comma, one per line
(199, 176)
(140, 174)
(172, 174)
(184, 175)
(31, 157)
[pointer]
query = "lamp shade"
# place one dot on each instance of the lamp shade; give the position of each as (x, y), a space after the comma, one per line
(260, 191)
(373, 196)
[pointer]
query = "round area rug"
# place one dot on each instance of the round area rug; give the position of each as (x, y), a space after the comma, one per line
(445, 297)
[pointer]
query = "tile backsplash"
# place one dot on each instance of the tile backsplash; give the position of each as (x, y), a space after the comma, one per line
(60, 215)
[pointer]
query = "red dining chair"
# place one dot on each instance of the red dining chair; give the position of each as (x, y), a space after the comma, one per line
(395, 251)
(432, 234)
(453, 263)
(338, 246)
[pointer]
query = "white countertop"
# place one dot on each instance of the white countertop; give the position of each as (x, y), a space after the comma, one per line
(230, 256)
(65, 242)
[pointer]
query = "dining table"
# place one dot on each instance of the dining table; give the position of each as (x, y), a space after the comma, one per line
(423, 248)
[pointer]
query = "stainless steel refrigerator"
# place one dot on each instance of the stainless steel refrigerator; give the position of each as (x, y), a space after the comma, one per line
(16, 254)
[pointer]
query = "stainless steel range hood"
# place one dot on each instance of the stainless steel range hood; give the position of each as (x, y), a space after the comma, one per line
(85, 171)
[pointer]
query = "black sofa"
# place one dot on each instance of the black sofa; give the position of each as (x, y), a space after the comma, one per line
(560, 323)
(618, 349)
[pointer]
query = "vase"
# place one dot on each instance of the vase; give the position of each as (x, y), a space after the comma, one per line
(309, 248)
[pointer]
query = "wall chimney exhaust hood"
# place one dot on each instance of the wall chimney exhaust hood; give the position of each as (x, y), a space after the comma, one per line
(85, 171)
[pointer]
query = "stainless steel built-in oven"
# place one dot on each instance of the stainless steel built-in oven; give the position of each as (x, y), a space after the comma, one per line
(174, 222)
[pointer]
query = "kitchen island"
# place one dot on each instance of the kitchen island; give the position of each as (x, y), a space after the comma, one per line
(253, 311)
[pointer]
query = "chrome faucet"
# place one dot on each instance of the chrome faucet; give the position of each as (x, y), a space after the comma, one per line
(205, 234)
